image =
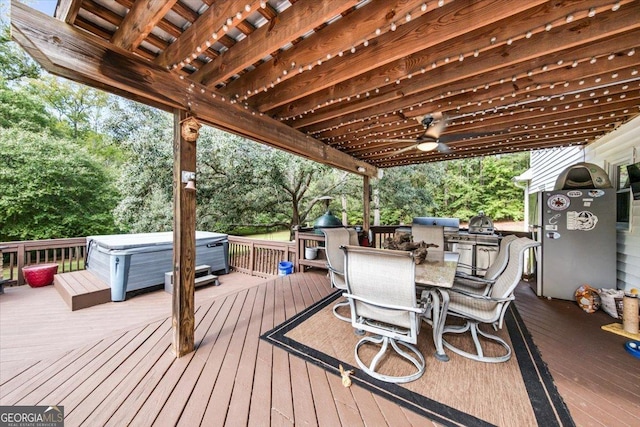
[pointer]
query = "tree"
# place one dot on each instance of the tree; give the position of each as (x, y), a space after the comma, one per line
(78, 106)
(145, 179)
(14, 62)
(482, 184)
(51, 189)
(409, 191)
(243, 183)
(20, 108)
(502, 199)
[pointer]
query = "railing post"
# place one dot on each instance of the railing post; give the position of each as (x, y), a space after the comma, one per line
(252, 252)
(20, 254)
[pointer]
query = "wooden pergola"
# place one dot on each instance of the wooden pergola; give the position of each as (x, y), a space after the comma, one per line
(342, 82)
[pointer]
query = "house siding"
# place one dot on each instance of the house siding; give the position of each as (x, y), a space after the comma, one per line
(546, 165)
(621, 145)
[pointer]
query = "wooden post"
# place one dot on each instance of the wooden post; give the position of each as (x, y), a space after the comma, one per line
(345, 220)
(184, 241)
(366, 205)
(376, 207)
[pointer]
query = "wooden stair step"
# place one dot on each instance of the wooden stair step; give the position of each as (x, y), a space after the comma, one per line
(200, 281)
(205, 280)
(81, 289)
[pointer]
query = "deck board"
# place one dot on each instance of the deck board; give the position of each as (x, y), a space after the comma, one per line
(598, 381)
(260, 405)
(211, 352)
(281, 398)
(219, 402)
(327, 414)
(129, 375)
(114, 391)
(83, 400)
(243, 382)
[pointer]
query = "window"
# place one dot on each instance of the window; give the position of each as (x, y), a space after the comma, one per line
(623, 196)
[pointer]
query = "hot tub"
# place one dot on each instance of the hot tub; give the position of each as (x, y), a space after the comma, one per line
(130, 262)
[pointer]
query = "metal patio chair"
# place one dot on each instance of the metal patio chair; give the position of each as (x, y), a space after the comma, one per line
(482, 285)
(334, 239)
(488, 309)
(382, 293)
(428, 234)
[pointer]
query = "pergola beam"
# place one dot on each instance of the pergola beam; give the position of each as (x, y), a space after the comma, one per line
(68, 52)
(130, 33)
(269, 38)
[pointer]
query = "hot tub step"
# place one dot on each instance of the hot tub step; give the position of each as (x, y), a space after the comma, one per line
(206, 280)
(203, 277)
(81, 289)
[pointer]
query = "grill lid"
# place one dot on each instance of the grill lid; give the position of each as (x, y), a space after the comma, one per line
(481, 224)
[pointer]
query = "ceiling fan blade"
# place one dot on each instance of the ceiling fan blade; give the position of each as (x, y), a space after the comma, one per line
(443, 148)
(464, 135)
(394, 140)
(403, 150)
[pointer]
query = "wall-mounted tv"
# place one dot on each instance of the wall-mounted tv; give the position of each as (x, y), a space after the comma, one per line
(634, 179)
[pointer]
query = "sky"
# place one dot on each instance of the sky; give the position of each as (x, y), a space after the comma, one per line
(46, 6)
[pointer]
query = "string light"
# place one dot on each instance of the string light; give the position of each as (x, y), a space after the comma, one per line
(460, 56)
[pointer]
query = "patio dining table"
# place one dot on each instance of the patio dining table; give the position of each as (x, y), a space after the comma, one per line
(434, 276)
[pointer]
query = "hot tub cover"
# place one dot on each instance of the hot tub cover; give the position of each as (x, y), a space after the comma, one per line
(123, 244)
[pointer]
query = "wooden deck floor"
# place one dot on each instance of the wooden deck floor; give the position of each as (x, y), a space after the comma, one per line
(128, 374)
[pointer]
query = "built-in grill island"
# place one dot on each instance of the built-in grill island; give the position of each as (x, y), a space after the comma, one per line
(478, 246)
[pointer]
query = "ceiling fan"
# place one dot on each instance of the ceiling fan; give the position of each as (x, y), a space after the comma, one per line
(432, 138)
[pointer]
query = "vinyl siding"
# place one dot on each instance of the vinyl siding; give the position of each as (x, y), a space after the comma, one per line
(547, 165)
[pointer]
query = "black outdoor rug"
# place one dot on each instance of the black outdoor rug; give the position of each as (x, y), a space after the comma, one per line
(519, 392)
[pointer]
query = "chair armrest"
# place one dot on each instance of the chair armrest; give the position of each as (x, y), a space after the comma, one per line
(471, 267)
(482, 297)
(475, 278)
(386, 306)
(334, 271)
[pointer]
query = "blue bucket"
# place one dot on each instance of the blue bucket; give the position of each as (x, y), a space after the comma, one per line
(284, 268)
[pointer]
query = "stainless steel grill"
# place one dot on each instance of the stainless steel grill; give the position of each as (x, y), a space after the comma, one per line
(481, 224)
(476, 250)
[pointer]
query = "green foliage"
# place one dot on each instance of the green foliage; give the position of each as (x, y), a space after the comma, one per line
(482, 184)
(146, 178)
(241, 182)
(20, 108)
(14, 62)
(78, 107)
(51, 189)
(409, 191)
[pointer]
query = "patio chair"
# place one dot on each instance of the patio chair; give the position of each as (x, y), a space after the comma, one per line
(482, 285)
(428, 234)
(334, 239)
(382, 294)
(475, 309)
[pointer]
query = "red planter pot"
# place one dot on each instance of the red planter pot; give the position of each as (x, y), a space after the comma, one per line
(39, 275)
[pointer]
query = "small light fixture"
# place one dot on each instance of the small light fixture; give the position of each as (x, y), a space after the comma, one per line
(189, 178)
(427, 146)
(361, 169)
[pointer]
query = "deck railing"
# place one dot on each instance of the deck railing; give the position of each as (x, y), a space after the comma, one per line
(251, 256)
(378, 233)
(259, 257)
(67, 253)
